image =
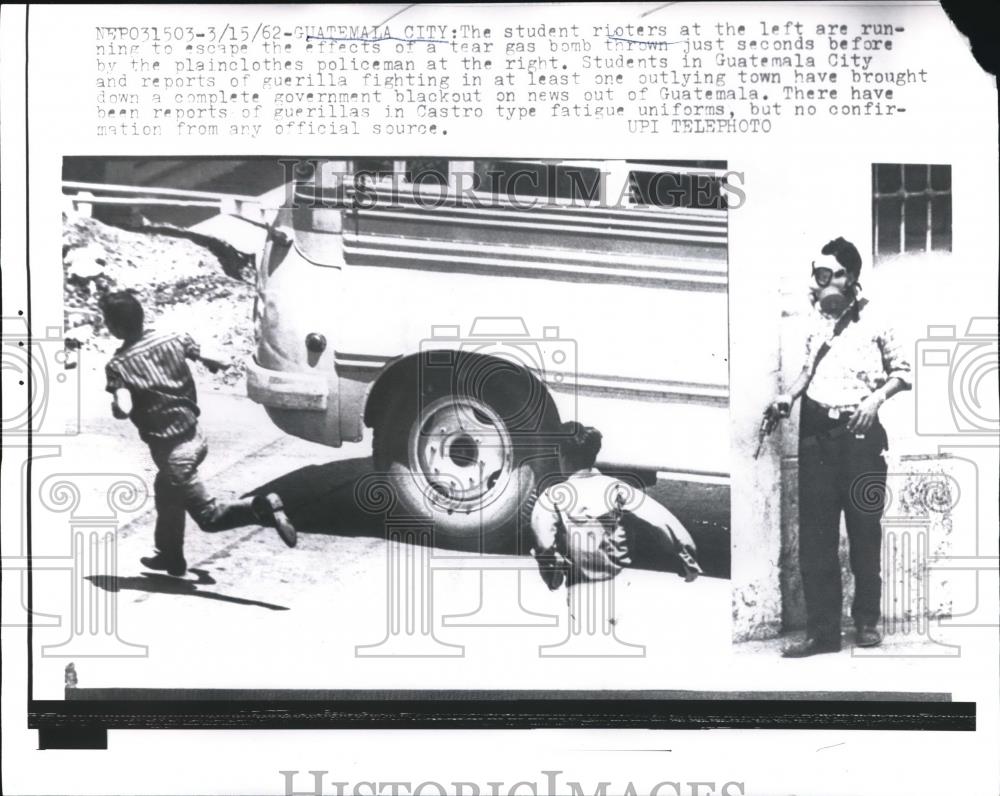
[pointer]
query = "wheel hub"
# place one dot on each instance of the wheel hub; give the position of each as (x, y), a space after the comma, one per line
(462, 452)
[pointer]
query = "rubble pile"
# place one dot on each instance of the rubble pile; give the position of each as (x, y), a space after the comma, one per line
(181, 284)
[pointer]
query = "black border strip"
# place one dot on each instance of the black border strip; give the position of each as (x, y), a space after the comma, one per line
(30, 371)
(513, 711)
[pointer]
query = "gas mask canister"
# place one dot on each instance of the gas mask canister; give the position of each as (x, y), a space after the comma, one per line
(832, 300)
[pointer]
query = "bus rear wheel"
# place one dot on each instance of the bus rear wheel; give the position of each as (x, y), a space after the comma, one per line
(458, 460)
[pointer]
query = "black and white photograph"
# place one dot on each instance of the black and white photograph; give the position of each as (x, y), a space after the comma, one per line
(490, 400)
(327, 415)
(864, 504)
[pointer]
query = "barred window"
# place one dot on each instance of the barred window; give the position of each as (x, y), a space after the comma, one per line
(911, 208)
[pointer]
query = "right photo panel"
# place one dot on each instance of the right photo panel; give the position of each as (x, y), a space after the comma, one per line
(882, 365)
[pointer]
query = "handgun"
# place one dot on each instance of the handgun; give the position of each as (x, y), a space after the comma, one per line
(768, 422)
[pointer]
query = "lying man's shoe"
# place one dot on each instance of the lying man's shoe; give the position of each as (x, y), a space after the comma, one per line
(810, 646)
(173, 566)
(867, 636)
(690, 567)
(552, 567)
(271, 511)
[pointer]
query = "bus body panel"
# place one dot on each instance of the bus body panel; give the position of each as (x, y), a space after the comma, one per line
(621, 314)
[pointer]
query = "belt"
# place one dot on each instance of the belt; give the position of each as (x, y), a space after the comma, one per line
(833, 433)
(836, 412)
(831, 420)
(837, 432)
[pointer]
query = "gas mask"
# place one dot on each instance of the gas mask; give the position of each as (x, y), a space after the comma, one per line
(833, 301)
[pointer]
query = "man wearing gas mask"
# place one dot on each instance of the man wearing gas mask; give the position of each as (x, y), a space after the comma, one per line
(853, 365)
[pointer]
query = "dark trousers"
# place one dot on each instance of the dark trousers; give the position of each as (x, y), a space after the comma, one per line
(179, 490)
(839, 473)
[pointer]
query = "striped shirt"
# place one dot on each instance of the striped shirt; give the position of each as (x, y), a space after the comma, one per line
(860, 360)
(155, 371)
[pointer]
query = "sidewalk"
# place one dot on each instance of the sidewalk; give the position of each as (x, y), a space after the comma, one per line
(897, 644)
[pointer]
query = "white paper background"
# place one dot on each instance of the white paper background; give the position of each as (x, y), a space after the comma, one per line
(796, 181)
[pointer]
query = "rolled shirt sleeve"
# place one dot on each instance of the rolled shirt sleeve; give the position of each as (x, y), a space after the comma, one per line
(894, 357)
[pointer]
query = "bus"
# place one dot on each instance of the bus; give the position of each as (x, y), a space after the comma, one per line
(463, 309)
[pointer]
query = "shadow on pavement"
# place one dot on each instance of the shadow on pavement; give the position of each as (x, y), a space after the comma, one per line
(167, 584)
(321, 499)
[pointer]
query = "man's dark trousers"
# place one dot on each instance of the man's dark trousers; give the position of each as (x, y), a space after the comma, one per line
(839, 473)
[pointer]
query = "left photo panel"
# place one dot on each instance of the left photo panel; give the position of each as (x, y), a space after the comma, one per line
(355, 424)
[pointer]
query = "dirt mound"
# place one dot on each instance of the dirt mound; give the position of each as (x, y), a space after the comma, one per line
(181, 284)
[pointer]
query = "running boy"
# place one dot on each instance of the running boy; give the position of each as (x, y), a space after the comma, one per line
(152, 386)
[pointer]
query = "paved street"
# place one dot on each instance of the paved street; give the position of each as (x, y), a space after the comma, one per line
(338, 612)
(253, 609)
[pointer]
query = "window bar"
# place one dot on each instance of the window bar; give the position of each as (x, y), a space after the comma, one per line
(930, 201)
(875, 215)
(902, 210)
(929, 194)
